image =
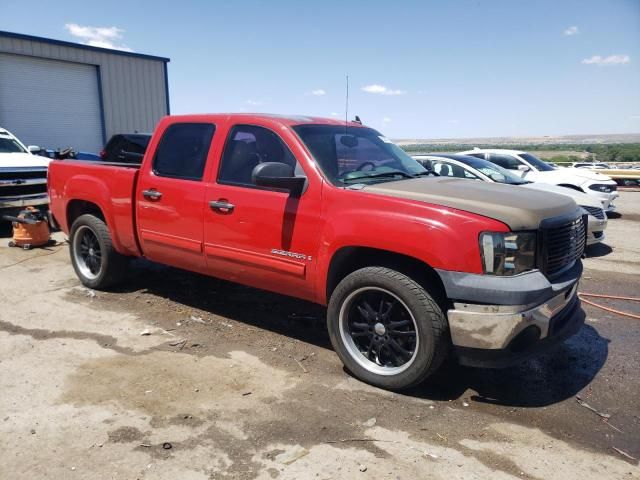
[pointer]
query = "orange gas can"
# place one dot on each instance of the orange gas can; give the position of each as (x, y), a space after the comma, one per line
(30, 229)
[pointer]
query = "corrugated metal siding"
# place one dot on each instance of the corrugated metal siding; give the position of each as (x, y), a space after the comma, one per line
(51, 103)
(134, 90)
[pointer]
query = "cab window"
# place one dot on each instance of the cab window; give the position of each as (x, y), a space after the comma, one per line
(183, 150)
(247, 146)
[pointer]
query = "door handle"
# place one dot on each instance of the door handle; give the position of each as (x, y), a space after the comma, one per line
(222, 206)
(152, 194)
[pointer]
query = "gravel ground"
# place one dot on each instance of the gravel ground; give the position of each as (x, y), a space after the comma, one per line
(233, 382)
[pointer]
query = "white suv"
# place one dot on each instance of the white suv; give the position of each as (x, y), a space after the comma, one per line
(533, 169)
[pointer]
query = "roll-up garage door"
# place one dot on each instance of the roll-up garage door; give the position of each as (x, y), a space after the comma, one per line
(50, 103)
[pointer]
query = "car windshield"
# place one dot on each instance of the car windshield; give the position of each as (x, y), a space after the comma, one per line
(536, 162)
(349, 155)
(9, 145)
(496, 172)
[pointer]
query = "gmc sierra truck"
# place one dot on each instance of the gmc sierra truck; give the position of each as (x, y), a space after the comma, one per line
(412, 267)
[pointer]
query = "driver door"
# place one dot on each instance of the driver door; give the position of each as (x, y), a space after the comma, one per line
(260, 236)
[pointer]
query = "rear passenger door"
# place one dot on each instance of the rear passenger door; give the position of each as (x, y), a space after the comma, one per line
(259, 236)
(170, 196)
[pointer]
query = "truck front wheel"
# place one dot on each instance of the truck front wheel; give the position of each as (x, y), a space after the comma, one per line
(94, 259)
(385, 327)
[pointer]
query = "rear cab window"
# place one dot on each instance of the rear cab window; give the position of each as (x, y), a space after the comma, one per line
(182, 151)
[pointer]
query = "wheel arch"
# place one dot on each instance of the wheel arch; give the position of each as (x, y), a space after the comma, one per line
(77, 207)
(348, 259)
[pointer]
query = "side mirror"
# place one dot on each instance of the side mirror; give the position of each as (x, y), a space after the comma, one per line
(33, 149)
(523, 168)
(278, 175)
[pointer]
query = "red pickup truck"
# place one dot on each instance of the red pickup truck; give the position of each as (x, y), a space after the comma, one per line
(413, 267)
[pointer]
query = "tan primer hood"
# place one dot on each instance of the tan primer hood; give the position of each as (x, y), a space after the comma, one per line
(520, 208)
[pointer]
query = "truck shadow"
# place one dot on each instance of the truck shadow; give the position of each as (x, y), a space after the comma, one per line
(279, 314)
(555, 376)
(550, 378)
(597, 250)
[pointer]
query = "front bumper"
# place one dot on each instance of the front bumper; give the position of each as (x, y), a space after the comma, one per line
(497, 321)
(561, 326)
(595, 229)
(24, 201)
(606, 198)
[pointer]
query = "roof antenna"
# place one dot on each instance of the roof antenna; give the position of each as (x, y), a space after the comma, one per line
(346, 108)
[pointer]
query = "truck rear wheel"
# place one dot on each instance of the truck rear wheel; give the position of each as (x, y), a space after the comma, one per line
(94, 259)
(385, 327)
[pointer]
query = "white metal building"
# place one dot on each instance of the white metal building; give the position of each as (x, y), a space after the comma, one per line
(58, 94)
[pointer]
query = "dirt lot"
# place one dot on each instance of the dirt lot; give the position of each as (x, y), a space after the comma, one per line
(238, 383)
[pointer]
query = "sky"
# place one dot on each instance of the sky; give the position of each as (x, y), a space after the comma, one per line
(417, 69)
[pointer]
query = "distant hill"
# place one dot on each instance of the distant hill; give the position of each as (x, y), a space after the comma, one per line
(545, 140)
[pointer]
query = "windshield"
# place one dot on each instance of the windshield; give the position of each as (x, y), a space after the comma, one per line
(9, 145)
(357, 155)
(496, 172)
(536, 162)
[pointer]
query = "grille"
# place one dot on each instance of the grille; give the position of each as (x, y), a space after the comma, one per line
(22, 174)
(595, 211)
(18, 190)
(562, 246)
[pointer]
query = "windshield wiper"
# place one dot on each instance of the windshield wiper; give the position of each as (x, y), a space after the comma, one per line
(428, 172)
(379, 175)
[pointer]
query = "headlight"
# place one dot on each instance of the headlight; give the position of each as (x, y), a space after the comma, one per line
(601, 187)
(507, 253)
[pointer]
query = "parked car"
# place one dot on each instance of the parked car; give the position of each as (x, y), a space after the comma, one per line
(126, 148)
(465, 166)
(23, 176)
(413, 268)
(530, 167)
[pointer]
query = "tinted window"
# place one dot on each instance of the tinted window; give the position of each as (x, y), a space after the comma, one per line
(537, 163)
(183, 149)
(496, 172)
(505, 161)
(136, 143)
(447, 169)
(248, 146)
(9, 145)
(477, 155)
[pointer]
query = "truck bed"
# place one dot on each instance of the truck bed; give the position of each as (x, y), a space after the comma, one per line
(109, 186)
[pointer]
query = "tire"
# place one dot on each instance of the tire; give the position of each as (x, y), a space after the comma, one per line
(93, 257)
(390, 367)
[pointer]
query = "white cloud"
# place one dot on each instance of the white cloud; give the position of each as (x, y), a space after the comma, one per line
(104, 37)
(318, 92)
(382, 90)
(572, 30)
(386, 120)
(610, 60)
(334, 114)
(253, 103)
